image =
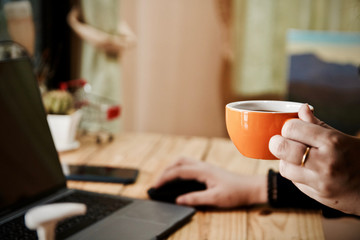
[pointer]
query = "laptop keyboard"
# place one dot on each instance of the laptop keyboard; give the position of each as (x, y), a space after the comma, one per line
(98, 207)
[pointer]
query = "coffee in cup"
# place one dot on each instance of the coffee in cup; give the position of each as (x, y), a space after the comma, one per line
(251, 124)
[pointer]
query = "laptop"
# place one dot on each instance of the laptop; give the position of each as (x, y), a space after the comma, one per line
(31, 173)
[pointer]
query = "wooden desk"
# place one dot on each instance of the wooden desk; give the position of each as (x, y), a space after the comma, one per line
(151, 153)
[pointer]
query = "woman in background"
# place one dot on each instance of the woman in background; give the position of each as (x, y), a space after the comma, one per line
(104, 37)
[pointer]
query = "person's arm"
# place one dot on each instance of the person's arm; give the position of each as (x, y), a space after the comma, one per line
(282, 193)
(112, 44)
(224, 189)
(322, 162)
(228, 190)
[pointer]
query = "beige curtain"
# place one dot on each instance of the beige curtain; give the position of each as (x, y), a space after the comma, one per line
(191, 56)
(171, 79)
(260, 28)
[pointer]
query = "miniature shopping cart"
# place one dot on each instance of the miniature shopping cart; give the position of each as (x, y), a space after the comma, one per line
(98, 113)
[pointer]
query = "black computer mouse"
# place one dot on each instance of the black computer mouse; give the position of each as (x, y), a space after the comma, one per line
(172, 189)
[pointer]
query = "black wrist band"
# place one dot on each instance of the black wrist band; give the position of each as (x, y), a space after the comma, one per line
(272, 191)
(282, 193)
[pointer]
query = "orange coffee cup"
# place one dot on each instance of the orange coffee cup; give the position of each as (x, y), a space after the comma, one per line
(251, 124)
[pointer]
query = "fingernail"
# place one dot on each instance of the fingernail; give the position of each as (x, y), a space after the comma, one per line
(180, 200)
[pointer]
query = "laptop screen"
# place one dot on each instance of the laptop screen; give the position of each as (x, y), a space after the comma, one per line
(29, 164)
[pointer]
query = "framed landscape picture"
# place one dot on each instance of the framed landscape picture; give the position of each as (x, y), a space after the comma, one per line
(323, 71)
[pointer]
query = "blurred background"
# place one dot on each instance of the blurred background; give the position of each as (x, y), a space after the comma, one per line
(172, 65)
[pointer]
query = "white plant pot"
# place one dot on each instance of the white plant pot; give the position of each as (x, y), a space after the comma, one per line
(63, 130)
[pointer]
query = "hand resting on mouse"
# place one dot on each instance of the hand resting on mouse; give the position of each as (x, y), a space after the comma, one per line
(169, 191)
(223, 189)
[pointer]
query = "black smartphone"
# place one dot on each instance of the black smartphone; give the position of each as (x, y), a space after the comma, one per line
(100, 173)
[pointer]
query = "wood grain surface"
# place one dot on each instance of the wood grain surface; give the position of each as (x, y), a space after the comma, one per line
(152, 153)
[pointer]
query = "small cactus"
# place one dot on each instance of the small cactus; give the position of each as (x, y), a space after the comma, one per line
(58, 102)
